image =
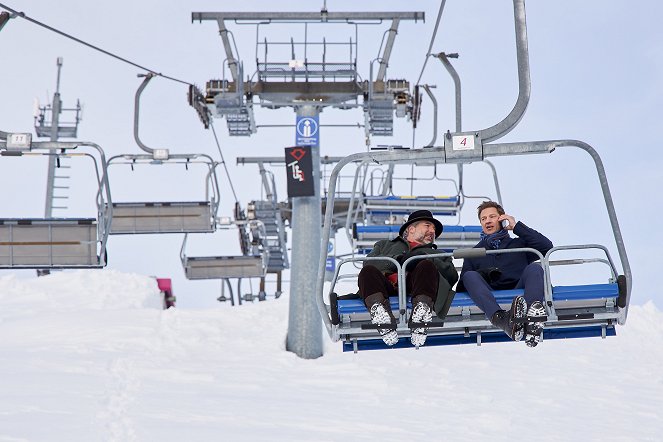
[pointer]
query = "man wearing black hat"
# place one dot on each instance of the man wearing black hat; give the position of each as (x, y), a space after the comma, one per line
(428, 281)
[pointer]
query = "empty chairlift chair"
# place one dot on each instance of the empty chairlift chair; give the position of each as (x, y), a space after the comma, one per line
(57, 243)
(154, 217)
(252, 264)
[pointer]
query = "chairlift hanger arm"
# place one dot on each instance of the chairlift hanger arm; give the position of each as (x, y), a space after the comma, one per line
(524, 84)
(142, 86)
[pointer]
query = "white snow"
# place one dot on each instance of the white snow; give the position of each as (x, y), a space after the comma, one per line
(90, 355)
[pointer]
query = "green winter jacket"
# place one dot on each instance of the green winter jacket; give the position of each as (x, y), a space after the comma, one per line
(398, 247)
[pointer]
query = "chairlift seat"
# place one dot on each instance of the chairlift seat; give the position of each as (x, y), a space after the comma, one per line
(452, 237)
(162, 217)
(404, 205)
(220, 267)
(48, 243)
(582, 311)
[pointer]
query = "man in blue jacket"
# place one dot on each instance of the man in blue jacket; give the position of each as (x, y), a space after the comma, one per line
(505, 271)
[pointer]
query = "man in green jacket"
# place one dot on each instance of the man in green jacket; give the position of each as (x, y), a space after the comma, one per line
(428, 281)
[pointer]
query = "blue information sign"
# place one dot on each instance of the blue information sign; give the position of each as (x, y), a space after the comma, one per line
(330, 264)
(307, 131)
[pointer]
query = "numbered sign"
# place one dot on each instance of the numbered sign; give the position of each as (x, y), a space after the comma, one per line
(19, 141)
(463, 142)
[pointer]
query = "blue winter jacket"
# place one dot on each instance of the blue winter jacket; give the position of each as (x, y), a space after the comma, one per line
(510, 264)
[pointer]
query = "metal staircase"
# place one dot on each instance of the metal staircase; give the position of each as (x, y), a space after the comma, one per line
(269, 213)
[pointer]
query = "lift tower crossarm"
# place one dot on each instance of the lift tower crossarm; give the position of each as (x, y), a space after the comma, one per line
(324, 16)
(344, 17)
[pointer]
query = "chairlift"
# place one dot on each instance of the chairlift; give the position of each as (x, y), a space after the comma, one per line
(57, 243)
(192, 216)
(573, 311)
(253, 263)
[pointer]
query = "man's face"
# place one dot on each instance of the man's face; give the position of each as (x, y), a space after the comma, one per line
(422, 232)
(489, 220)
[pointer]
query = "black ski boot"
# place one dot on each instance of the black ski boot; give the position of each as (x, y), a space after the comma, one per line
(512, 321)
(536, 317)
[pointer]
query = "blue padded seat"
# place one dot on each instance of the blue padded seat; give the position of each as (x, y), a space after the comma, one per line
(560, 293)
(390, 228)
(592, 291)
(432, 199)
(387, 228)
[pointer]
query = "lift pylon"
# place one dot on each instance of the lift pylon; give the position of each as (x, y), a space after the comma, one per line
(307, 83)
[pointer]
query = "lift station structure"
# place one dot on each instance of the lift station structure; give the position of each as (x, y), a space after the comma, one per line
(307, 80)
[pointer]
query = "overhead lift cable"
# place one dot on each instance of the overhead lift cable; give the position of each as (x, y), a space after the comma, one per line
(428, 54)
(223, 161)
(96, 48)
(432, 40)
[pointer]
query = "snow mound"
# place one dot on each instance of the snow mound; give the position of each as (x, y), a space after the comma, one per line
(76, 291)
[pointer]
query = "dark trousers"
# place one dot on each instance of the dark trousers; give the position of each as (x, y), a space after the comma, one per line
(423, 280)
(481, 293)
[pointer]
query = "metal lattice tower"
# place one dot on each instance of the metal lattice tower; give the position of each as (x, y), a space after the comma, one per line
(55, 129)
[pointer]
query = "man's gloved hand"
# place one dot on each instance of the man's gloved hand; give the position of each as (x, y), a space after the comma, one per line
(490, 274)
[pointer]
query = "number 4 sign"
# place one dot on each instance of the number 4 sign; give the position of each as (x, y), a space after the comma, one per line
(462, 142)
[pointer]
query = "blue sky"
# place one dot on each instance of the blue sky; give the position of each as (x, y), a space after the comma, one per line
(596, 72)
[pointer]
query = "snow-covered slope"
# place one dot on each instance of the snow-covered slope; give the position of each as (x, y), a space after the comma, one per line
(87, 356)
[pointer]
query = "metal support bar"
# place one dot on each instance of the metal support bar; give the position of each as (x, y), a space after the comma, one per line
(432, 97)
(142, 86)
(232, 61)
(265, 183)
(272, 17)
(384, 59)
(444, 58)
(524, 86)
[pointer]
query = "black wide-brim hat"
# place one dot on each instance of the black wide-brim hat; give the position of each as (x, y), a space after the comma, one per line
(422, 215)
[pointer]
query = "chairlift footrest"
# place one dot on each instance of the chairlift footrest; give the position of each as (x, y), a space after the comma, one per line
(536, 318)
(575, 316)
(391, 326)
(425, 324)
